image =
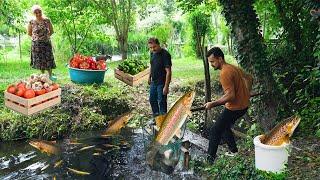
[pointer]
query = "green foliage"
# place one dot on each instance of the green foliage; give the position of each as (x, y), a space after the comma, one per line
(200, 22)
(88, 119)
(268, 17)
(76, 19)
(295, 62)
(11, 17)
(48, 125)
(132, 66)
(137, 42)
(191, 5)
(163, 32)
(318, 132)
(239, 167)
(310, 117)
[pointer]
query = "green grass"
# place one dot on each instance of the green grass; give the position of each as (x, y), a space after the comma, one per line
(191, 69)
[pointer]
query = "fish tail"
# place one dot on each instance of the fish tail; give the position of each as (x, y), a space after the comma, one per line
(159, 120)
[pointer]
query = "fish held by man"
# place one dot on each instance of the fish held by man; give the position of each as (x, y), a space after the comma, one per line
(115, 125)
(171, 124)
(45, 146)
(281, 133)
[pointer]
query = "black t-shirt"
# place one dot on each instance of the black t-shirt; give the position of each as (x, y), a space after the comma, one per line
(159, 61)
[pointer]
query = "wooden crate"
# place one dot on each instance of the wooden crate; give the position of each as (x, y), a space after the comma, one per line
(33, 105)
(130, 79)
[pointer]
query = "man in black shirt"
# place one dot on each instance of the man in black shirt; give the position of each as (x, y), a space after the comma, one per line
(160, 77)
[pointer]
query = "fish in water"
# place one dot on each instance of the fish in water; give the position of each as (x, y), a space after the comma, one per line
(78, 172)
(58, 163)
(87, 147)
(281, 133)
(171, 124)
(111, 146)
(115, 125)
(45, 146)
(45, 167)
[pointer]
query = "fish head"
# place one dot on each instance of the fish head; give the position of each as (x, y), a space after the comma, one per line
(126, 117)
(35, 144)
(291, 124)
(188, 98)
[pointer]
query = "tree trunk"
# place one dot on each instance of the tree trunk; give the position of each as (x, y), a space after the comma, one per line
(20, 49)
(251, 55)
(207, 85)
(123, 43)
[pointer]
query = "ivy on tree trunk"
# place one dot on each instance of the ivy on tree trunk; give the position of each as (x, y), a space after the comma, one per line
(251, 55)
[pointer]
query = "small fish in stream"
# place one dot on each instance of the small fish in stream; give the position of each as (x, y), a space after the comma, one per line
(58, 163)
(45, 167)
(82, 173)
(171, 124)
(45, 146)
(97, 154)
(111, 146)
(115, 125)
(87, 147)
(281, 133)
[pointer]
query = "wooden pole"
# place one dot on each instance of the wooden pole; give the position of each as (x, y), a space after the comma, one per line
(20, 50)
(207, 84)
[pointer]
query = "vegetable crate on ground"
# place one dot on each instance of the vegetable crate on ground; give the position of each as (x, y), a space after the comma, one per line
(33, 105)
(132, 80)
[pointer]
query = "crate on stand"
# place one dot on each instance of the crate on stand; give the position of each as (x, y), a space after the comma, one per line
(132, 80)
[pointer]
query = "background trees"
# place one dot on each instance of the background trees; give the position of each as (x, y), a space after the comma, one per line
(277, 41)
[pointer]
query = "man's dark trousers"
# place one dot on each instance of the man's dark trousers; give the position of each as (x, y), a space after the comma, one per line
(158, 101)
(223, 127)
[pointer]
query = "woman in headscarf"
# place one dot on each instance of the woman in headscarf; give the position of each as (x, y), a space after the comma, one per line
(40, 29)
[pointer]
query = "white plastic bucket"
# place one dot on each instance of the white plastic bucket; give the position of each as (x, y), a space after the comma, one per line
(270, 158)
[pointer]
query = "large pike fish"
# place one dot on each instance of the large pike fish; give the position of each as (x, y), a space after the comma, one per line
(281, 133)
(171, 123)
(45, 146)
(115, 125)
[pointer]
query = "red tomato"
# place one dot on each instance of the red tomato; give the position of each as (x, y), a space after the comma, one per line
(101, 65)
(89, 60)
(74, 63)
(28, 94)
(55, 86)
(78, 58)
(12, 89)
(21, 84)
(20, 91)
(93, 65)
(40, 92)
(84, 65)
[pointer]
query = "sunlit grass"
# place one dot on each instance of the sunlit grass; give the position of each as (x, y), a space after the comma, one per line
(185, 70)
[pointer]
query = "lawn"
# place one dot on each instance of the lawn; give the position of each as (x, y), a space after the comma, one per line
(184, 70)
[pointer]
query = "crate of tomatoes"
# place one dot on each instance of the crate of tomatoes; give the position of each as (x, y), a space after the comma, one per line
(32, 95)
(86, 69)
